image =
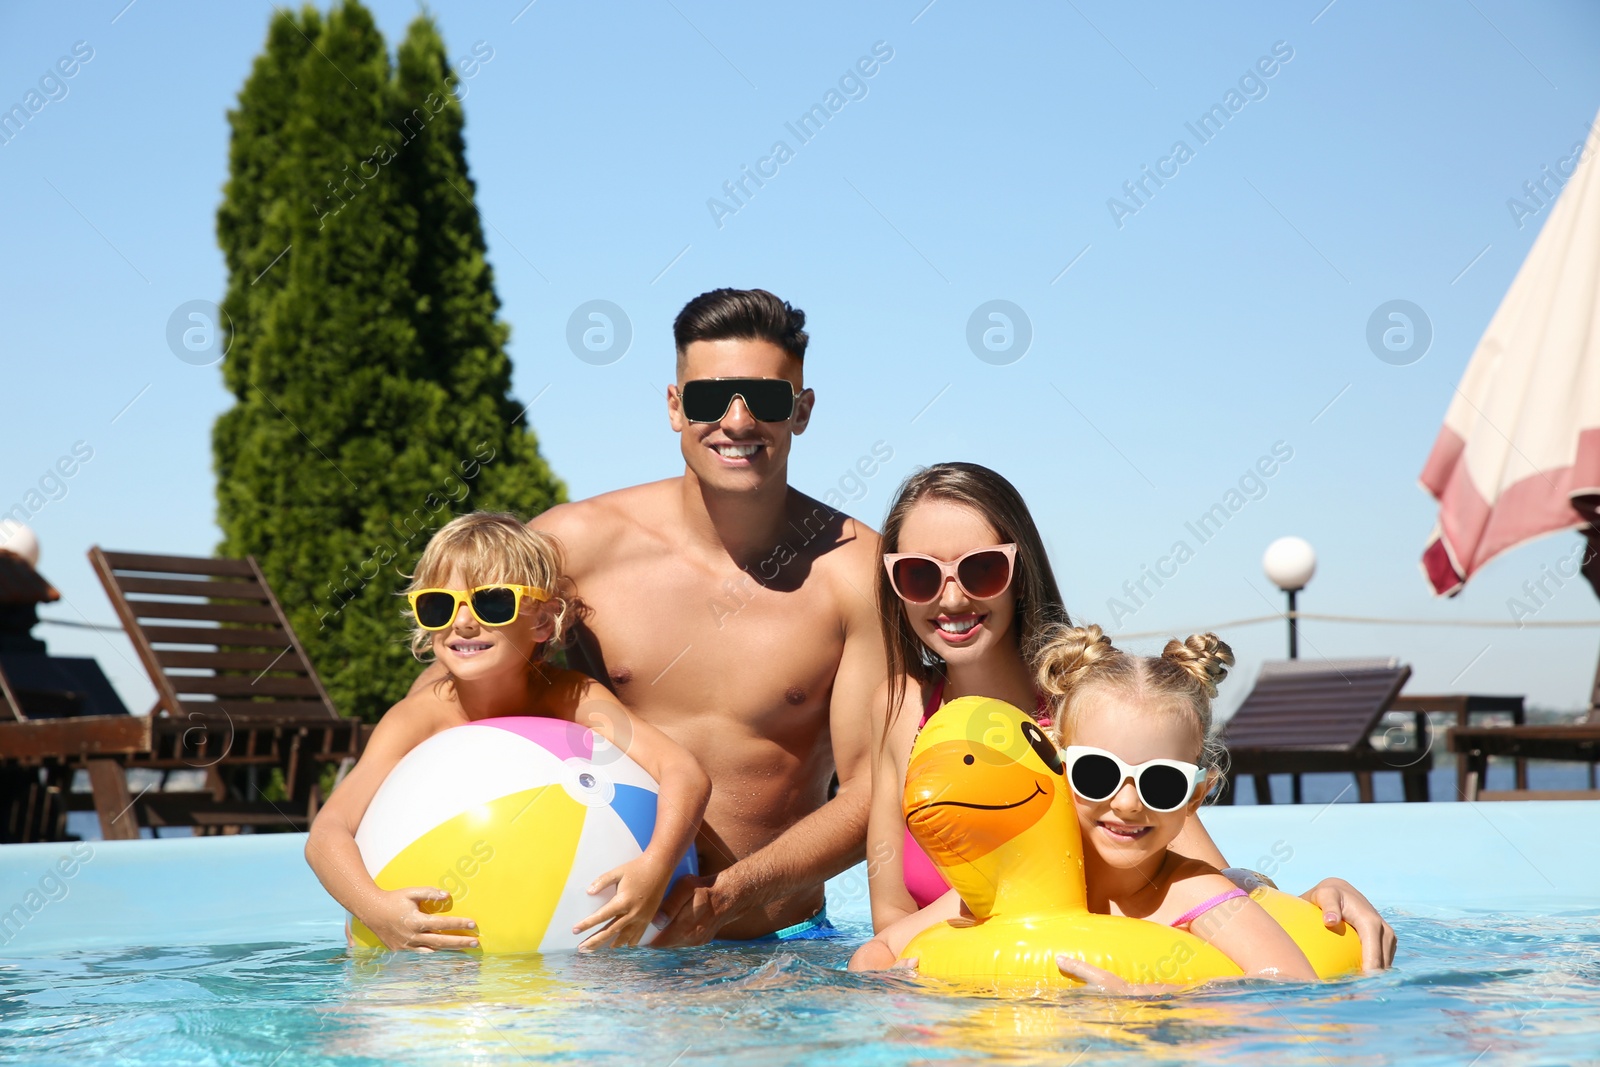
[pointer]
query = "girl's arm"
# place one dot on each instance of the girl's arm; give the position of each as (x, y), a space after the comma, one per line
(684, 789)
(1240, 929)
(396, 917)
(1338, 899)
(886, 823)
(881, 952)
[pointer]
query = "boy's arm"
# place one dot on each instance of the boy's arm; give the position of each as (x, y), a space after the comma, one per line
(684, 789)
(684, 786)
(334, 858)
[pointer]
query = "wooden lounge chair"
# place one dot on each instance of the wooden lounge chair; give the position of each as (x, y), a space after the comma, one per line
(38, 758)
(232, 677)
(236, 698)
(1306, 717)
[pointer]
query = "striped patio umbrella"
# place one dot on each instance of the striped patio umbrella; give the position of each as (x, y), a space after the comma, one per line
(1519, 453)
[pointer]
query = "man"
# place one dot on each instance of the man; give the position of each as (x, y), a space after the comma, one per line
(734, 613)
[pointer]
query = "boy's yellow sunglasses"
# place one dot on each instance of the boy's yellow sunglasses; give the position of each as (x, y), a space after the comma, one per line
(492, 605)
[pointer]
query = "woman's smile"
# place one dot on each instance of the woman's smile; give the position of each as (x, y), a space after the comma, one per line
(959, 629)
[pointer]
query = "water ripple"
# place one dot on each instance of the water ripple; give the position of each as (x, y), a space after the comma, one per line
(1479, 988)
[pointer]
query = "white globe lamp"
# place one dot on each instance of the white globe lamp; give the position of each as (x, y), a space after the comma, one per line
(1290, 562)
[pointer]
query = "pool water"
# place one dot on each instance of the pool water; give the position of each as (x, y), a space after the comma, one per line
(225, 950)
(1471, 988)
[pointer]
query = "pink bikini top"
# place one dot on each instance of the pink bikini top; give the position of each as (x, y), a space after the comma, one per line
(923, 880)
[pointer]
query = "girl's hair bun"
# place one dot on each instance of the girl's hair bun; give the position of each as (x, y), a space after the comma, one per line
(1204, 657)
(1069, 655)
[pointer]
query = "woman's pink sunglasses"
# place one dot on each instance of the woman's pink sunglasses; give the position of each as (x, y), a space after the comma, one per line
(981, 574)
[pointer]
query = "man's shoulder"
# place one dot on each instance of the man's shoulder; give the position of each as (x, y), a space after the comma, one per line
(852, 540)
(849, 551)
(603, 519)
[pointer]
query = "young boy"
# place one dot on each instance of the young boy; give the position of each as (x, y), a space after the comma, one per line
(486, 604)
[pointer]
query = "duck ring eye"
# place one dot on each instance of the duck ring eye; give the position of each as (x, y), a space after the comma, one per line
(1042, 747)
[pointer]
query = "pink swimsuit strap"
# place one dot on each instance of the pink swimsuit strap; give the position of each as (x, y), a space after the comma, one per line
(1200, 909)
(1041, 707)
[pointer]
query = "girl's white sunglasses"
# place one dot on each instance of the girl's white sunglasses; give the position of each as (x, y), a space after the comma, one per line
(1163, 784)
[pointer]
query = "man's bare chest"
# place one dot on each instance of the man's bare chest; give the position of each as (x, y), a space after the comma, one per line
(672, 639)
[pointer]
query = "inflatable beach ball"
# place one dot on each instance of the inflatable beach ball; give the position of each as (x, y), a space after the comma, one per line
(514, 818)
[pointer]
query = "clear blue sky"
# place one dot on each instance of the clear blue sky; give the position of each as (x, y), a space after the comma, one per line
(1220, 318)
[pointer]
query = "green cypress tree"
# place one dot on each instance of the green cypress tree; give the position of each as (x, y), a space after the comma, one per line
(252, 223)
(458, 312)
(368, 364)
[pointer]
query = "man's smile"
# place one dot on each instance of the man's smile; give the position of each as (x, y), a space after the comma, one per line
(737, 452)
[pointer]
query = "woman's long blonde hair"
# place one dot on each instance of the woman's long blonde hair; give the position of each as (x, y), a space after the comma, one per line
(491, 547)
(1183, 679)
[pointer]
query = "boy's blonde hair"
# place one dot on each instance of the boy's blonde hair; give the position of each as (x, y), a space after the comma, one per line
(1183, 680)
(490, 547)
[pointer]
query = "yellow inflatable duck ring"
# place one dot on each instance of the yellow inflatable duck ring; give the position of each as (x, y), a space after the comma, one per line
(985, 798)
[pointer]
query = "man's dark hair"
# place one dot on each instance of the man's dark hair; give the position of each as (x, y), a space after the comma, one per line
(746, 314)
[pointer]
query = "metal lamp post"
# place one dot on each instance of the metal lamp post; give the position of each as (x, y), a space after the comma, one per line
(1290, 562)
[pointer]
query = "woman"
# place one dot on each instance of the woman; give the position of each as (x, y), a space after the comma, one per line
(966, 599)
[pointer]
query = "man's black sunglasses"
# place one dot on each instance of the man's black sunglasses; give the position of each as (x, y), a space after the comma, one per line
(708, 399)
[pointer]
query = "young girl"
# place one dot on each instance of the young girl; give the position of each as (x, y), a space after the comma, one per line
(1140, 760)
(484, 603)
